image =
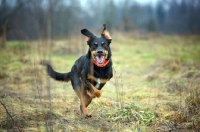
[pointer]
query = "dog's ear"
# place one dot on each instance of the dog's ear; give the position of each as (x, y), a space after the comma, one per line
(87, 33)
(105, 33)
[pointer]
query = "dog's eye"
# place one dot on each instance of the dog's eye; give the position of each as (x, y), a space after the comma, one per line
(95, 44)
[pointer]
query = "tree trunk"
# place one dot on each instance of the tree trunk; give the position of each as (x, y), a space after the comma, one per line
(3, 37)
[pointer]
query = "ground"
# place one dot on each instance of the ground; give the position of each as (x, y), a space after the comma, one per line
(155, 86)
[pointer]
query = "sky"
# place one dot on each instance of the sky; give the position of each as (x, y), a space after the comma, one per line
(152, 2)
(83, 2)
(142, 1)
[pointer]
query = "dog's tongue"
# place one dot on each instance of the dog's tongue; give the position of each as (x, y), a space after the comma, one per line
(100, 59)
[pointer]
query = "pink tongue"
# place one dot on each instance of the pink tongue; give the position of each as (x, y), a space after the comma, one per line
(100, 59)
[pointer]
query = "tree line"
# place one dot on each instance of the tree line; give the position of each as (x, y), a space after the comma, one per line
(40, 19)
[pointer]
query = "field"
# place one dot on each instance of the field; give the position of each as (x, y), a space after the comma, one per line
(156, 86)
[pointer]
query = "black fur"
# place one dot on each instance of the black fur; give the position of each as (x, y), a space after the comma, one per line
(57, 76)
(85, 66)
(87, 33)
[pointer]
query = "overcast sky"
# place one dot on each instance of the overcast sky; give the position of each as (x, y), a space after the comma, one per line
(142, 1)
(152, 2)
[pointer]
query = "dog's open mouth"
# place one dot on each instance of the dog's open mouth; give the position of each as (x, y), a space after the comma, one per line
(100, 59)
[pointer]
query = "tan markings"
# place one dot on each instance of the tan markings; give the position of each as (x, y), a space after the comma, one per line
(95, 43)
(84, 109)
(80, 93)
(102, 80)
(91, 77)
(94, 93)
(88, 39)
(106, 34)
(102, 43)
(85, 99)
(93, 54)
(106, 52)
(97, 92)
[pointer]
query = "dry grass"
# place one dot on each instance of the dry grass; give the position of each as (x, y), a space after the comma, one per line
(155, 86)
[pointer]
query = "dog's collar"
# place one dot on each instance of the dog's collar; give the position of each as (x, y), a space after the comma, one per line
(102, 65)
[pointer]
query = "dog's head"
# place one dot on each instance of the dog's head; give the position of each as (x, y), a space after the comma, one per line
(99, 47)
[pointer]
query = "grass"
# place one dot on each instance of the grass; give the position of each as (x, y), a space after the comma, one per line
(153, 75)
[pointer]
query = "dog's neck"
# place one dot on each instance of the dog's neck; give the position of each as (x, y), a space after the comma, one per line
(103, 65)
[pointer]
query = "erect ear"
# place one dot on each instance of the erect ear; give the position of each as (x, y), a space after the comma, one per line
(87, 33)
(105, 33)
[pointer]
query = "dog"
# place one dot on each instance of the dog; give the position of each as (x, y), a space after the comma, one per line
(90, 72)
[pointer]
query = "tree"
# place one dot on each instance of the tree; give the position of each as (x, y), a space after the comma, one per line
(6, 18)
(160, 16)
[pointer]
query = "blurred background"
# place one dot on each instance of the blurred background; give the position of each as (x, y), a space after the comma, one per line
(156, 65)
(38, 19)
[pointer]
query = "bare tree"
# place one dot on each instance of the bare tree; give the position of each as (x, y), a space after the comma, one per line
(7, 17)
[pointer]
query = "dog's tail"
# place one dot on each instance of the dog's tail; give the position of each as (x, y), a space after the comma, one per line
(57, 76)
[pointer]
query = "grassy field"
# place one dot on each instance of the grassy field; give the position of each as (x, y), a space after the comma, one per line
(156, 86)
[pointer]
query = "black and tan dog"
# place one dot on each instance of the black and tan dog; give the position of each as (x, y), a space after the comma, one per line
(91, 71)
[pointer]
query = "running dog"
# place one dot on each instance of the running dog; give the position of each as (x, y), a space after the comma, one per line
(90, 72)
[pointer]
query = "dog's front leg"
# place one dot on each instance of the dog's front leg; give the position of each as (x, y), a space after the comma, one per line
(93, 92)
(85, 100)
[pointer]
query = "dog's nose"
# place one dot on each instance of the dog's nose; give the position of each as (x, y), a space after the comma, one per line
(99, 51)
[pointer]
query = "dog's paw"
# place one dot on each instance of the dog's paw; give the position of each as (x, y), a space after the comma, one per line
(88, 116)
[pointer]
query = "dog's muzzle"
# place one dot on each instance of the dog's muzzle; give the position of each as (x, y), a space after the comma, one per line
(100, 58)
